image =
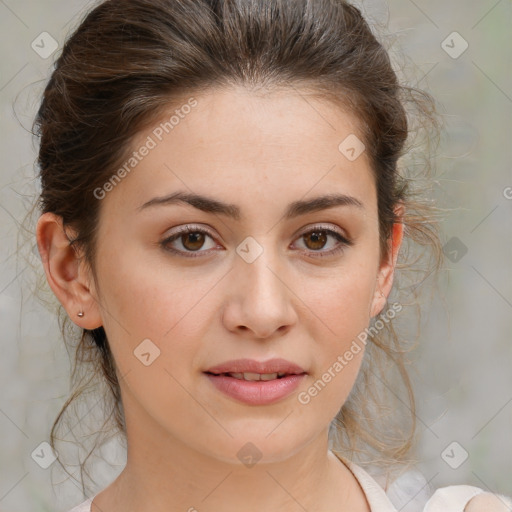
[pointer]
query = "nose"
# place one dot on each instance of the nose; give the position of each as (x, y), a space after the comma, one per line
(260, 298)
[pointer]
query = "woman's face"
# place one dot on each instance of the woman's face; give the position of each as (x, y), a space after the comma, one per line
(261, 275)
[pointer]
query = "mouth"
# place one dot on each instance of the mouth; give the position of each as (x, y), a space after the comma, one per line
(250, 376)
(255, 383)
(251, 369)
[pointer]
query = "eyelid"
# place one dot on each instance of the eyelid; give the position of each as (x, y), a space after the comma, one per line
(186, 228)
(344, 239)
(324, 227)
(199, 227)
(183, 229)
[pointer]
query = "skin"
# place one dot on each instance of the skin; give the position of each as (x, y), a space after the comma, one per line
(260, 152)
(487, 502)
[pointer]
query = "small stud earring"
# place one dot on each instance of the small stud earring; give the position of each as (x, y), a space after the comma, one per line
(80, 314)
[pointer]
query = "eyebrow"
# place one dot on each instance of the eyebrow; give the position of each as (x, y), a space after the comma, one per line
(210, 205)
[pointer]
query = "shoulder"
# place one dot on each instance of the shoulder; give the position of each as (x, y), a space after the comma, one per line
(411, 492)
(467, 498)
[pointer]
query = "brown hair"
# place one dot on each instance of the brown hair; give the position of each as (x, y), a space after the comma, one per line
(129, 60)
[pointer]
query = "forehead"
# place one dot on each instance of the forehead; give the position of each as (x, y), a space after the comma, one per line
(285, 117)
(234, 143)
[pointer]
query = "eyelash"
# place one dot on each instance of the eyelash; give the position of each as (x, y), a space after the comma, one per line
(187, 229)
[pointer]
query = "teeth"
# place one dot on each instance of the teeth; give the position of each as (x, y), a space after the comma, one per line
(256, 376)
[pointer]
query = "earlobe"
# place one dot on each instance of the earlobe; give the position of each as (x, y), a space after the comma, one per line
(65, 272)
(387, 268)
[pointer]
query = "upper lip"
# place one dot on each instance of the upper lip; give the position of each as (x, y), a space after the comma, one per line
(253, 366)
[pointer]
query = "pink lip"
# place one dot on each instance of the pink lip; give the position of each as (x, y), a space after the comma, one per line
(256, 392)
(253, 366)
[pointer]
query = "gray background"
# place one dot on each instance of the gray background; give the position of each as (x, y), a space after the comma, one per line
(463, 380)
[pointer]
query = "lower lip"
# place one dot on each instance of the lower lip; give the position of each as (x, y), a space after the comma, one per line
(259, 392)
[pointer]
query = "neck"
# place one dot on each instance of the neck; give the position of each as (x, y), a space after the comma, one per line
(163, 474)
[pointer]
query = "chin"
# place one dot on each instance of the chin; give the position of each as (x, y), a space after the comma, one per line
(256, 446)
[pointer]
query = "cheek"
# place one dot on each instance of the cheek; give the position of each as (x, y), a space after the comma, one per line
(168, 309)
(148, 296)
(171, 308)
(342, 301)
(340, 314)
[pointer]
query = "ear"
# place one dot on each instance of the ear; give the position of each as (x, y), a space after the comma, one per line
(66, 272)
(387, 266)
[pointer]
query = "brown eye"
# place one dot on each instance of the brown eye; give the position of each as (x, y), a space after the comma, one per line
(318, 240)
(193, 241)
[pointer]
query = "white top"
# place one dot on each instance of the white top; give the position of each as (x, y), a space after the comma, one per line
(408, 493)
